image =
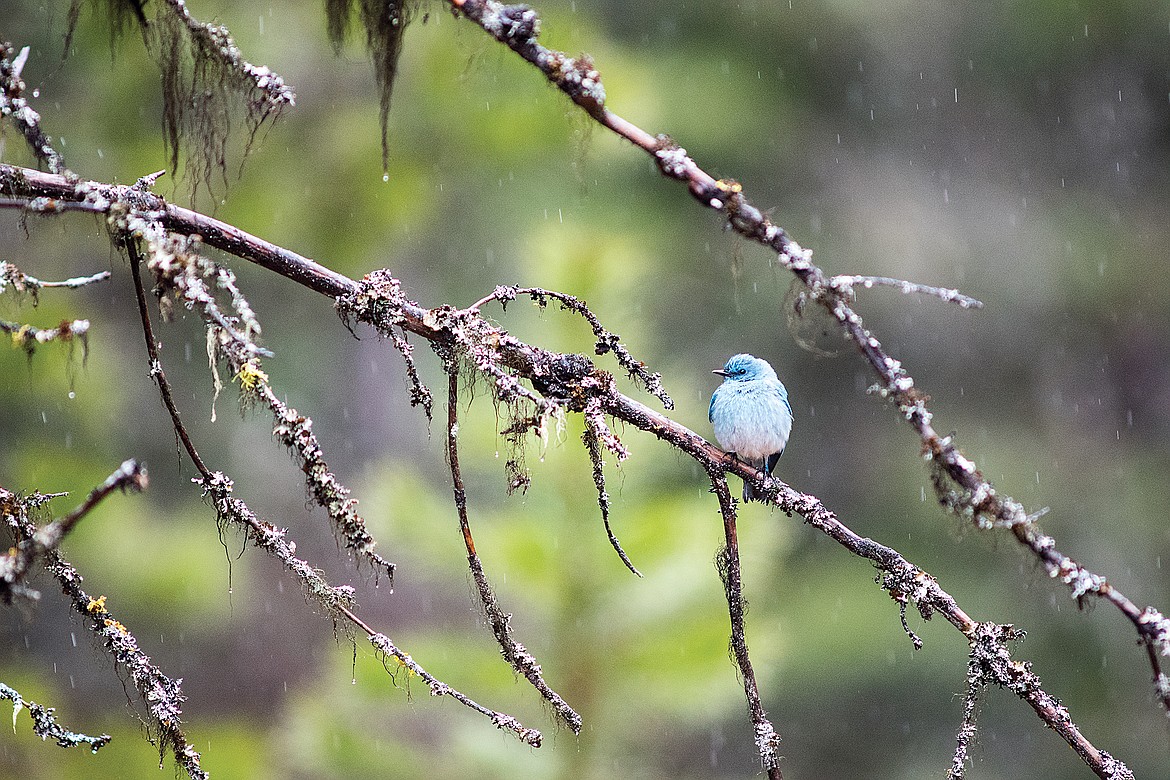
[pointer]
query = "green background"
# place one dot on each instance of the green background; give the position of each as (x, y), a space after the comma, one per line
(1016, 151)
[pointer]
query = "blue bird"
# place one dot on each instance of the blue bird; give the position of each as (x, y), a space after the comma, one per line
(751, 414)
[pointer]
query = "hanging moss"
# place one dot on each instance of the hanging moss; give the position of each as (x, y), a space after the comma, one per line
(206, 83)
(384, 23)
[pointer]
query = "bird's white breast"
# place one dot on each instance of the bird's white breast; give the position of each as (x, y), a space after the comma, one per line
(751, 419)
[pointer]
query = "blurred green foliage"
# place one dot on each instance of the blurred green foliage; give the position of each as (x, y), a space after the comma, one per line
(1018, 152)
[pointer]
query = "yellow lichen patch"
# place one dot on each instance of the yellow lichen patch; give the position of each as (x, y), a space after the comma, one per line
(97, 605)
(251, 376)
(114, 624)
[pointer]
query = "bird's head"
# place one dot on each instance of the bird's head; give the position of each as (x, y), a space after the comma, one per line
(744, 367)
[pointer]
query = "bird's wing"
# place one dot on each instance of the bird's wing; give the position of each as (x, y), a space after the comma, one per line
(782, 391)
(711, 408)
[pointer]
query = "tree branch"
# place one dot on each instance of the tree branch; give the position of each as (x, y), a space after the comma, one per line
(727, 562)
(45, 723)
(961, 487)
(500, 622)
(337, 600)
(571, 381)
(162, 695)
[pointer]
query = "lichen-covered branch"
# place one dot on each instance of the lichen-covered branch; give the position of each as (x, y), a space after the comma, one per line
(607, 341)
(847, 284)
(500, 622)
(18, 561)
(14, 105)
(45, 725)
(205, 80)
(162, 696)
(177, 265)
(21, 282)
(596, 432)
(991, 663)
(961, 486)
(727, 562)
(557, 380)
(338, 601)
(501, 720)
(29, 337)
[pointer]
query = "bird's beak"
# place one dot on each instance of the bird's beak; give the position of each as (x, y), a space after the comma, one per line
(720, 372)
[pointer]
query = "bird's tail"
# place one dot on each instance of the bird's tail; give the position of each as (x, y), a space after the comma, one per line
(749, 492)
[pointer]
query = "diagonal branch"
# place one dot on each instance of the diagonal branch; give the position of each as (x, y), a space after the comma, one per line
(15, 564)
(961, 486)
(571, 380)
(162, 695)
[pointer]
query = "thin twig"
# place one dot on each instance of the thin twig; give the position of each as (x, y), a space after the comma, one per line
(514, 653)
(156, 369)
(29, 337)
(131, 475)
(22, 282)
(592, 439)
(45, 723)
(503, 721)
(846, 283)
(767, 740)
